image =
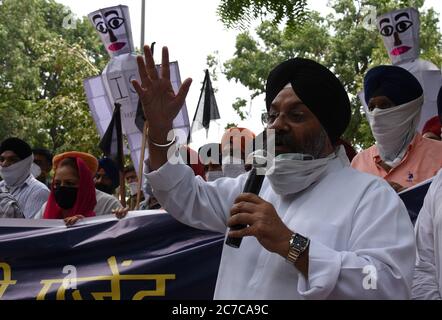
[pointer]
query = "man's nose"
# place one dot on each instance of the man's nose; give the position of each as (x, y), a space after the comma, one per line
(280, 124)
(5, 163)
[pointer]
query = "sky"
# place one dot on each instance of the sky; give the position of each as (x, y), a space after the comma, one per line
(192, 30)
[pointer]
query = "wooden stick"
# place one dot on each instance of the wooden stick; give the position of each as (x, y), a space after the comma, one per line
(122, 189)
(141, 164)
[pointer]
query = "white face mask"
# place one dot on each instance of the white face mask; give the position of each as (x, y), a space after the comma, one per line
(16, 174)
(213, 175)
(133, 187)
(394, 128)
(290, 174)
(35, 170)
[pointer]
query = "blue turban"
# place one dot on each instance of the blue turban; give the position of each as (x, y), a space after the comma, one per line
(396, 83)
(111, 170)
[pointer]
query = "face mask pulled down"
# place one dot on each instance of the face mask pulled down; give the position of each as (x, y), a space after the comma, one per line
(394, 129)
(291, 173)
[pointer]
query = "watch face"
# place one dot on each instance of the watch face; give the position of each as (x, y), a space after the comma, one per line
(298, 241)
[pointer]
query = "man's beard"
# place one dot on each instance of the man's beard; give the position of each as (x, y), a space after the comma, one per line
(104, 188)
(314, 144)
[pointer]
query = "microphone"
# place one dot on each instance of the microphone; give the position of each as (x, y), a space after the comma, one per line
(253, 185)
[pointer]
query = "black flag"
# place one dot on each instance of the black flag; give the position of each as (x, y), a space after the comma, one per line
(207, 109)
(112, 141)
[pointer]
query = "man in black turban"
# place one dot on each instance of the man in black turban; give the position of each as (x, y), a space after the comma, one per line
(401, 155)
(316, 229)
(16, 160)
(317, 88)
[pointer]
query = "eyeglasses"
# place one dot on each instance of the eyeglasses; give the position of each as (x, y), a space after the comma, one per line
(268, 118)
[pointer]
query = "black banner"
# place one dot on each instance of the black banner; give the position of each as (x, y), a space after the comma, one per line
(144, 256)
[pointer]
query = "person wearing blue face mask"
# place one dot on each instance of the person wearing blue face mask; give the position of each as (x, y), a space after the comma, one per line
(318, 229)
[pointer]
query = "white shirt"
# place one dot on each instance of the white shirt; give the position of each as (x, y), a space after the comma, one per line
(30, 196)
(105, 204)
(427, 282)
(356, 223)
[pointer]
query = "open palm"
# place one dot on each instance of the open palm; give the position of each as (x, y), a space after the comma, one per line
(160, 103)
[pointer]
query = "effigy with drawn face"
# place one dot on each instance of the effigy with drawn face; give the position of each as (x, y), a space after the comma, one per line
(113, 26)
(114, 84)
(400, 32)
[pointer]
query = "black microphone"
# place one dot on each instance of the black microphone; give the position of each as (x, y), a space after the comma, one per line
(253, 185)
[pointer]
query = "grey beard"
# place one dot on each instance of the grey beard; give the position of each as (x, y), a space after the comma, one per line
(316, 145)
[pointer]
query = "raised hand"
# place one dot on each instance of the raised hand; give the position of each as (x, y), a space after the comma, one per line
(160, 103)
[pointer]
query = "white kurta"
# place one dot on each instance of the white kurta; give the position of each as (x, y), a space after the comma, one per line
(354, 220)
(427, 282)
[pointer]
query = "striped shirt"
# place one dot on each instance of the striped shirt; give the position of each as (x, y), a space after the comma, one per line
(31, 195)
(9, 207)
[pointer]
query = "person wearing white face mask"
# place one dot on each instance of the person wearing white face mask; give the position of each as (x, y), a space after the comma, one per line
(401, 155)
(130, 175)
(211, 157)
(318, 229)
(236, 145)
(16, 160)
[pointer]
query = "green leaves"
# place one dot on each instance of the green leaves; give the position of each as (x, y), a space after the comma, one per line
(339, 41)
(42, 67)
(239, 13)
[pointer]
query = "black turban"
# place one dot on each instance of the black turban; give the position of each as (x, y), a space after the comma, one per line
(318, 88)
(396, 83)
(18, 146)
(111, 170)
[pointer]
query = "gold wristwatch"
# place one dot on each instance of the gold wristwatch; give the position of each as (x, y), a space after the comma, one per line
(297, 245)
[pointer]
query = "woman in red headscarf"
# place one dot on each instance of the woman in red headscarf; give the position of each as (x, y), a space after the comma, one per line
(73, 192)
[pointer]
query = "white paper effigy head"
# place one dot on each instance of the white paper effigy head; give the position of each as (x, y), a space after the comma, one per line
(400, 32)
(113, 26)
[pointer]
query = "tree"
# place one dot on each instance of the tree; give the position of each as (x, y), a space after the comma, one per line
(340, 41)
(239, 13)
(42, 67)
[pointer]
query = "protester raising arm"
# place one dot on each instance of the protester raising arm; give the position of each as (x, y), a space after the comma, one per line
(160, 103)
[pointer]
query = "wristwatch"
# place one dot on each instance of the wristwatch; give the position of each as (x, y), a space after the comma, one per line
(297, 245)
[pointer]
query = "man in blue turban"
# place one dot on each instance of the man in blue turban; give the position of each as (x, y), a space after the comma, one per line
(401, 155)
